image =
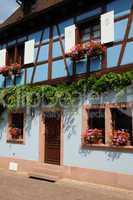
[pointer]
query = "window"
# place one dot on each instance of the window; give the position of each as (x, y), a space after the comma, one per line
(122, 120)
(108, 125)
(15, 54)
(10, 55)
(89, 31)
(96, 126)
(20, 54)
(16, 126)
(96, 118)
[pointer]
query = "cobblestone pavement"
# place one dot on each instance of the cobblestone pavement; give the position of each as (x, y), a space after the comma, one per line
(18, 187)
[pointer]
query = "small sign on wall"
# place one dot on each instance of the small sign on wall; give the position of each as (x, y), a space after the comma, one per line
(70, 37)
(13, 166)
(107, 27)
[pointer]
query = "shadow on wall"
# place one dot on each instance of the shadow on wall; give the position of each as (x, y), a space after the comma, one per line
(70, 124)
(3, 123)
(30, 115)
(111, 155)
(85, 152)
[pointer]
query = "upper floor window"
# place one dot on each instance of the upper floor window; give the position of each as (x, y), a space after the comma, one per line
(15, 54)
(10, 55)
(89, 31)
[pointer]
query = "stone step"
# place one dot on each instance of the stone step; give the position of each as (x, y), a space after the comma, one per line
(43, 176)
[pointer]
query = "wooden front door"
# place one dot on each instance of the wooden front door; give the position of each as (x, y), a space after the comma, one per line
(52, 137)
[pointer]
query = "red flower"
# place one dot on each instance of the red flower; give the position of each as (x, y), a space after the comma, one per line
(77, 52)
(119, 137)
(95, 48)
(93, 136)
(12, 69)
(15, 68)
(5, 71)
(15, 132)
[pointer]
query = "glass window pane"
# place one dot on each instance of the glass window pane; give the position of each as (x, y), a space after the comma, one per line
(97, 118)
(96, 34)
(121, 119)
(85, 37)
(96, 27)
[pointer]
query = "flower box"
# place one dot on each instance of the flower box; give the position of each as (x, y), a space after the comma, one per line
(93, 136)
(119, 138)
(5, 71)
(15, 133)
(13, 69)
(76, 53)
(95, 49)
(90, 49)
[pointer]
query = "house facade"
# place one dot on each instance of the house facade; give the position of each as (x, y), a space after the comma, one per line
(66, 90)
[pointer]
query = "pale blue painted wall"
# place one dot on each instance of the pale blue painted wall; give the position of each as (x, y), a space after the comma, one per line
(74, 155)
(27, 151)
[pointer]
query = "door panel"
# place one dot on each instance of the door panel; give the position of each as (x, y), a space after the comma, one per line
(52, 137)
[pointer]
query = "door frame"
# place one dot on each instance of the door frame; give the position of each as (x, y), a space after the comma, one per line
(42, 135)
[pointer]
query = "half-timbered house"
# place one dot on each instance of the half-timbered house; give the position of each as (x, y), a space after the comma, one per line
(51, 53)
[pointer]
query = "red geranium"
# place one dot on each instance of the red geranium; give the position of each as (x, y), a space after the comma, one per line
(15, 68)
(15, 132)
(5, 70)
(93, 136)
(77, 52)
(95, 48)
(12, 69)
(119, 137)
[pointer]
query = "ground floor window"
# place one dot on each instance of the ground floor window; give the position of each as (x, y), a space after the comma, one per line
(16, 127)
(96, 126)
(108, 124)
(121, 126)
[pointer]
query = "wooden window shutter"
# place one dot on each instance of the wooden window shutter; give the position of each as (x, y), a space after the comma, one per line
(29, 52)
(107, 27)
(70, 37)
(2, 57)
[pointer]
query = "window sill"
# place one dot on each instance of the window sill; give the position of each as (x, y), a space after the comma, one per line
(107, 147)
(17, 141)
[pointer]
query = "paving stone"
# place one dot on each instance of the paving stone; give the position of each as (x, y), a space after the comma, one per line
(20, 187)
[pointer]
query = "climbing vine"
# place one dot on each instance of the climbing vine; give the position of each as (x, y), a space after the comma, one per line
(30, 95)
